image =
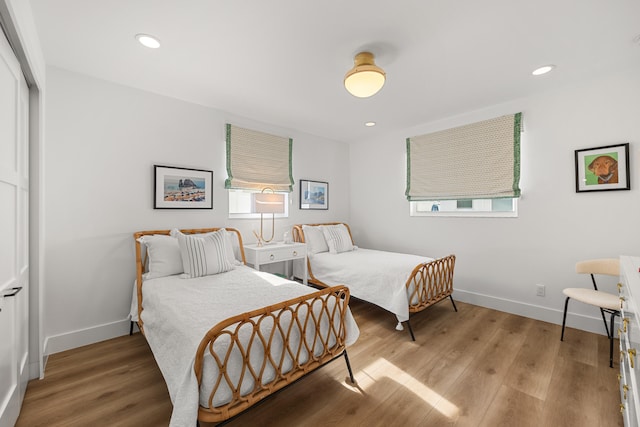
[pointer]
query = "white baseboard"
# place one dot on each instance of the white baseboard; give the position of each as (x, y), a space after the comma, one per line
(67, 341)
(578, 321)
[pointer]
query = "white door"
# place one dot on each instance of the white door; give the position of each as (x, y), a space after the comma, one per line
(14, 235)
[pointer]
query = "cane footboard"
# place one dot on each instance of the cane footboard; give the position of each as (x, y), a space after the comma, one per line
(430, 283)
(295, 336)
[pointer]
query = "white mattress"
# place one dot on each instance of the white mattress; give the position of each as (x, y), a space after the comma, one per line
(374, 276)
(178, 312)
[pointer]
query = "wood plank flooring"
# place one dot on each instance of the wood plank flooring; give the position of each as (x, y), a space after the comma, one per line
(477, 367)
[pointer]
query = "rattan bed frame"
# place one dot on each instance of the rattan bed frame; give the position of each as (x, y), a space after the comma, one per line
(432, 281)
(332, 302)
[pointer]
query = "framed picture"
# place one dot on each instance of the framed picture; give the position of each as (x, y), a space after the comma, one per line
(181, 188)
(314, 194)
(603, 168)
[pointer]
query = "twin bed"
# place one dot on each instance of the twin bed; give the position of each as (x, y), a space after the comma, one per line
(400, 283)
(224, 335)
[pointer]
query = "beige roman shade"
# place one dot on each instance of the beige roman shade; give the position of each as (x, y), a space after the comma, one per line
(476, 161)
(257, 160)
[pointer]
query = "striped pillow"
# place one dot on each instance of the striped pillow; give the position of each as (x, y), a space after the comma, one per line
(338, 238)
(203, 254)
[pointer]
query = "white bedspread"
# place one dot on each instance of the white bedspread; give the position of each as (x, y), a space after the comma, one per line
(374, 276)
(178, 312)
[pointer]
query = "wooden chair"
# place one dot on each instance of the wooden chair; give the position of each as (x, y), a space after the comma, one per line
(608, 303)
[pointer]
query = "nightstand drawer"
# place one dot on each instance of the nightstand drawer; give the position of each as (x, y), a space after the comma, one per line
(267, 255)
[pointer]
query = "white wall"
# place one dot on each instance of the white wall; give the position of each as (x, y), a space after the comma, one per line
(499, 260)
(102, 142)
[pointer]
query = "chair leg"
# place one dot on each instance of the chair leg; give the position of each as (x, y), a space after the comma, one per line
(613, 316)
(454, 304)
(564, 318)
(606, 327)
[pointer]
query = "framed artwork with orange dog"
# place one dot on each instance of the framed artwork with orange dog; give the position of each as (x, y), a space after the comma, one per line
(603, 168)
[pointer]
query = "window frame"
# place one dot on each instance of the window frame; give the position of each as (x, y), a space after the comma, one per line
(462, 212)
(249, 215)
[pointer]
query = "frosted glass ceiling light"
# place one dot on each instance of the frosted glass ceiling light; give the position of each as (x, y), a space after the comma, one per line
(365, 79)
(543, 70)
(148, 41)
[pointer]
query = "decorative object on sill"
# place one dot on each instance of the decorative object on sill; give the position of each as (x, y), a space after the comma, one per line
(182, 188)
(365, 79)
(267, 203)
(603, 168)
(314, 194)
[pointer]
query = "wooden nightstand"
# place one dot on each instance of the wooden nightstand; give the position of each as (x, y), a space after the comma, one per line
(277, 252)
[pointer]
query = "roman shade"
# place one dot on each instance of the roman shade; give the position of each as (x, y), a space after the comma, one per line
(256, 160)
(475, 161)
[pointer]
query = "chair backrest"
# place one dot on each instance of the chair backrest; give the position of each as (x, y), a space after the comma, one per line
(607, 266)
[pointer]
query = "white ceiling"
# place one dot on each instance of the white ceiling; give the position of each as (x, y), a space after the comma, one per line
(283, 61)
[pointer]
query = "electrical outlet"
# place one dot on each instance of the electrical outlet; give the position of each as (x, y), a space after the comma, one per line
(540, 290)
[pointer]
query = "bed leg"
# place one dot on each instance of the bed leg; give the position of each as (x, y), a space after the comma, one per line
(351, 380)
(131, 328)
(413, 338)
(454, 304)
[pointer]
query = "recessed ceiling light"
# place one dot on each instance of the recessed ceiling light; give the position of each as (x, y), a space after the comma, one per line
(369, 124)
(148, 41)
(543, 70)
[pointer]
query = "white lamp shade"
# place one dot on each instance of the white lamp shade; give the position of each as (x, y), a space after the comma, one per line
(272, 203)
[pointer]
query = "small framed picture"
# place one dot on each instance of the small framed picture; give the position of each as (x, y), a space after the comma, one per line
(314, 194)
(603, 168)
(182, 188)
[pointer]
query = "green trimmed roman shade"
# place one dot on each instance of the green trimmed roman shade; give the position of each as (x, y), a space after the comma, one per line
(475, 161)
(256, 160)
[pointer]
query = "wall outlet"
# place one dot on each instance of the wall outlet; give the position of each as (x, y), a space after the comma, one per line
(540, 290)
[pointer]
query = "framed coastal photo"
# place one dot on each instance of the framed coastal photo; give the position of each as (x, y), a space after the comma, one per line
(603, 168)
(182, 188)
(314, 194)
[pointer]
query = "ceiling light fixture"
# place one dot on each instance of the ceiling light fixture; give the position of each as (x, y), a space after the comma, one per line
(543, 70)
(370, 124)
(148, 41)
(365, 79)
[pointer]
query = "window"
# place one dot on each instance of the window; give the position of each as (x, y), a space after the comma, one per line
(240, 205)
(255, 161)
(507, 207)
(471, 170)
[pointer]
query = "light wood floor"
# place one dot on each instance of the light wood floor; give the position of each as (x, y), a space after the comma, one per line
(477, 367)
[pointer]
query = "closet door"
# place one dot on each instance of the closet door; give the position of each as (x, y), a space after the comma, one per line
(14, 238)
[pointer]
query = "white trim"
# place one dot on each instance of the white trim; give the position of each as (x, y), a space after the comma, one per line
(464, 213)
(67, 341)
(545, 314)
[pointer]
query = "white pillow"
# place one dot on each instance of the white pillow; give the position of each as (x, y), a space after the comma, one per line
(338, 238)
(164, 256)
(230, 247)
(314, 238)
(203, 254)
